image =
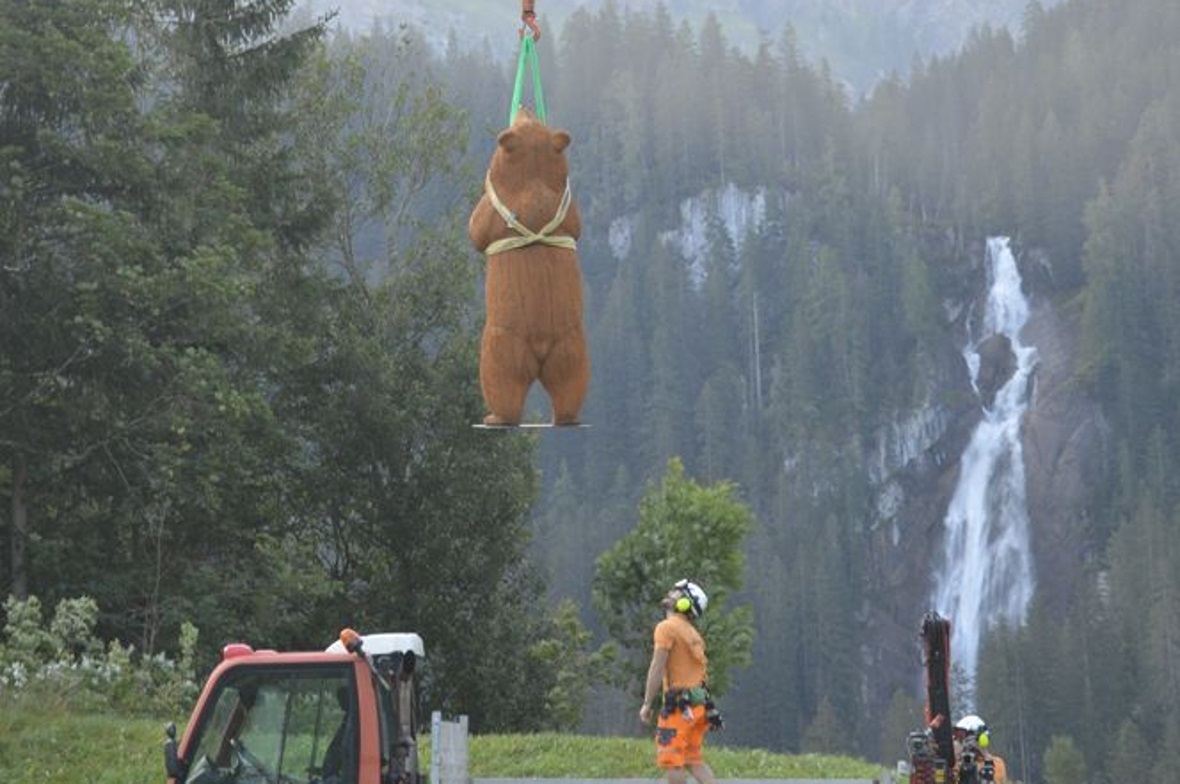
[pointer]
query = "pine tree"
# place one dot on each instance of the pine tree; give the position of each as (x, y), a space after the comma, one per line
(233, 64)
(1063, 762)
(1128, 753)
(146, 253)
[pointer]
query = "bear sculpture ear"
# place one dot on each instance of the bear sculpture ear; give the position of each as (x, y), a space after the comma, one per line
(561, 140)
(508, 139)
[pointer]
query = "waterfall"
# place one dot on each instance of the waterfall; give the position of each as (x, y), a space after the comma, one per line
(986, 573)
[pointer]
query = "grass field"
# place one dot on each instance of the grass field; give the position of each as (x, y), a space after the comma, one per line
(49, 744)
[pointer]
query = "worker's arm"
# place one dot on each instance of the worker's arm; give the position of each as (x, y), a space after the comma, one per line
(655, 679)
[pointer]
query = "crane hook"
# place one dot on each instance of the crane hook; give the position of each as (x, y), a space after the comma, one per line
(528, 15)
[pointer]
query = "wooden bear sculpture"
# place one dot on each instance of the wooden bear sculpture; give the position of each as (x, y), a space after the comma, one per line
(527, 223)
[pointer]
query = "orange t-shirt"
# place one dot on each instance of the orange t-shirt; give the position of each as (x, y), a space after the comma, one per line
(687, 662)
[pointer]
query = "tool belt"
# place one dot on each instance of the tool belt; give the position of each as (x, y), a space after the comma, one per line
(678, 699)
(975, 765)
(685, 699)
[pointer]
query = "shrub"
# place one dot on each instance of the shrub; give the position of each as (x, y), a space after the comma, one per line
(66, 664)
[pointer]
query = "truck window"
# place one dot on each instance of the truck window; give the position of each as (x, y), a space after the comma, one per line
(285, 725)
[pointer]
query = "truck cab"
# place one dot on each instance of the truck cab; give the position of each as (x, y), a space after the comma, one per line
(347, 715)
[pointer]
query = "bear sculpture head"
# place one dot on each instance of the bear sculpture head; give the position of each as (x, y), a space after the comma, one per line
(529, 172)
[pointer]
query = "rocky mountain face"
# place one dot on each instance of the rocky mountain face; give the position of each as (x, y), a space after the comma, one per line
(1065, 447)
(1063, 438)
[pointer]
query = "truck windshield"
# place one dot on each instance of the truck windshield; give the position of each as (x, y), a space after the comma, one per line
(285, 725)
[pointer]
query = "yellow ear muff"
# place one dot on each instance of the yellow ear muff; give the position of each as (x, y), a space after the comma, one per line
(984, 740)
(683, 604)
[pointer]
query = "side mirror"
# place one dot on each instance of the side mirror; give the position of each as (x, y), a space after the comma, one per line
(409, 661)
(173, 766)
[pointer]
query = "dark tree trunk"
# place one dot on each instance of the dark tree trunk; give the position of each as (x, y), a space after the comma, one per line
(20, 531)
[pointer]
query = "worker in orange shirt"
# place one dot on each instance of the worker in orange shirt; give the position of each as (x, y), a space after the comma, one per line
(973, 758)
(679, 667)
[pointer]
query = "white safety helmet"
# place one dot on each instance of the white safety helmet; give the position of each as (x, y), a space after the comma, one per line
(693, 600)
(971, 724)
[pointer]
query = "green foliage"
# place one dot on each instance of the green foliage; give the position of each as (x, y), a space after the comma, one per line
(1167, 751)
(1129, 751)
(65, 665)
(73, 627)
(139, 424)
(684, 530)
(575, 668)
(1064, 764)
(826, 734)
(201, 422)
(903, 716)
(28, 642)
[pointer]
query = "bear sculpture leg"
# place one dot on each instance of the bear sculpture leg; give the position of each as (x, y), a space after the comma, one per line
(565, 374)
(507, 368)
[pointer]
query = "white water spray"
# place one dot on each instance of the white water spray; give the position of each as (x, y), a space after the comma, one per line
(986, 575)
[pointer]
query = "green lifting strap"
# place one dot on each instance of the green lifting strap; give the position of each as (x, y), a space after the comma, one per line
(528, 57)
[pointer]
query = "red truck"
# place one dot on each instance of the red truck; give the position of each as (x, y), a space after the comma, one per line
(345, 715)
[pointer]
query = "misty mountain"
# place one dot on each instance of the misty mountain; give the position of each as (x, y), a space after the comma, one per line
(862, 40)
